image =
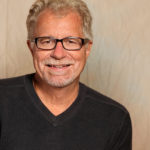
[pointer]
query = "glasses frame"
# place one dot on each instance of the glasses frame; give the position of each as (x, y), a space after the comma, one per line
(83, 42)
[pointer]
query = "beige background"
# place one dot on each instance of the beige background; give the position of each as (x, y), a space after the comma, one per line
(119, 65)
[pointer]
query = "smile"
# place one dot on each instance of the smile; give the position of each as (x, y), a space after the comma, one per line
(59, 70)
(58, 66)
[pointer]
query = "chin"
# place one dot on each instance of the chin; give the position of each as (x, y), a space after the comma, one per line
(60, 82)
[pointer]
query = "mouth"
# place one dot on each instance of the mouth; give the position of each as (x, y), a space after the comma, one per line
(61, 66)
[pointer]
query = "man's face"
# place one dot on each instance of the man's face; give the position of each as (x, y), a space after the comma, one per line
(59, 67)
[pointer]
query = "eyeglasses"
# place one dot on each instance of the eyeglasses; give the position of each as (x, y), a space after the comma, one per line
(68, 43)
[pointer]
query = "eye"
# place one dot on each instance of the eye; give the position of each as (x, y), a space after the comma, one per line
(71, 41)
(45, 41)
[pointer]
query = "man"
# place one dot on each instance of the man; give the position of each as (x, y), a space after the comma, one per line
(51, 110)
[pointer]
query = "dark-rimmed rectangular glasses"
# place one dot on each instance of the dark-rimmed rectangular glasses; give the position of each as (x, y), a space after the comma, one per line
(68, 43)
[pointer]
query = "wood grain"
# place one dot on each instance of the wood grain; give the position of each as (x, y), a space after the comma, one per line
(119, 65)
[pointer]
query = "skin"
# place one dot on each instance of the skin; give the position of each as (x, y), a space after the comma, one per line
(58, 71)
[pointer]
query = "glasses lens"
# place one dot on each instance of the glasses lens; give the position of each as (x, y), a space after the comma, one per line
(72, 43)
(45, 43)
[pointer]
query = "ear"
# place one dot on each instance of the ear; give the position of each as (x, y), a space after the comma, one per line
(30, 46)
(88, 48)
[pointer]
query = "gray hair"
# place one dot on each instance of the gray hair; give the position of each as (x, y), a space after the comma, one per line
(57, 7)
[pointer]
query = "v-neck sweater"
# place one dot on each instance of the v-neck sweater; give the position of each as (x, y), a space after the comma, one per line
(93, 121)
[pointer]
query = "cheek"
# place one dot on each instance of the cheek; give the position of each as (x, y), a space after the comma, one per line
(39, 56)
(80, 60)
(37, 59)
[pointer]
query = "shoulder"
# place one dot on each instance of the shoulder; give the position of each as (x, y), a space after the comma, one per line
(13, 89)
(13, 82)
(101, 101)
(105, 111)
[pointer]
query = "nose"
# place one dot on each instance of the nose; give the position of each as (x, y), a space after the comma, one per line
(59, 52)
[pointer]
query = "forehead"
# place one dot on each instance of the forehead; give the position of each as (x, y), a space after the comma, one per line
(50, 22)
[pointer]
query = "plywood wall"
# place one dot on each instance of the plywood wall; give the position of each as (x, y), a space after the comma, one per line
(119, 65)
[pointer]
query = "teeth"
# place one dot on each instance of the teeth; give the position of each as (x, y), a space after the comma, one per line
(58, 66)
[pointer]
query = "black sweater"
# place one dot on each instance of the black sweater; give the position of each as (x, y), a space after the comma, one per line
(92, 122)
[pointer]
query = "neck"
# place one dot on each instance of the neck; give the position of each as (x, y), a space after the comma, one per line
(57, 100)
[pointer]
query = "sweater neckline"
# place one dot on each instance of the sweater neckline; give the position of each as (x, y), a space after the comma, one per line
(64, 116)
